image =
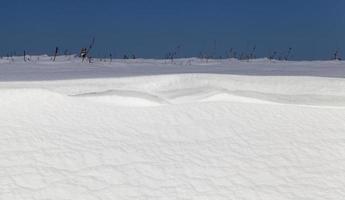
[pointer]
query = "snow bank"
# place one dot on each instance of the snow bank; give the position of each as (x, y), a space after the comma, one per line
(177, 136)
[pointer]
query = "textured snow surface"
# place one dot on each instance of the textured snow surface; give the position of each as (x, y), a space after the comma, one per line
(71, 131)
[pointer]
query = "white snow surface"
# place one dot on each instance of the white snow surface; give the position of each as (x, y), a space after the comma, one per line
(182, 129)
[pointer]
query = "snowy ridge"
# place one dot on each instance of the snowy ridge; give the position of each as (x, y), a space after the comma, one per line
(189, 88)
(170, 136)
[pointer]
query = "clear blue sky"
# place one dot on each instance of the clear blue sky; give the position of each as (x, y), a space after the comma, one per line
(150, 28)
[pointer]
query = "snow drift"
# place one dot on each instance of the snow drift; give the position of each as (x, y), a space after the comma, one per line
(73, 131)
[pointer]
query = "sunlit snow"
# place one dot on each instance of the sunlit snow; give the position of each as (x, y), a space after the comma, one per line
(162, 129)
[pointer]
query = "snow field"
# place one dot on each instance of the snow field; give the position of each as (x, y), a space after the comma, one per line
(172, 136)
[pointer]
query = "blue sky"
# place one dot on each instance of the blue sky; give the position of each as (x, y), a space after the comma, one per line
(151, 28)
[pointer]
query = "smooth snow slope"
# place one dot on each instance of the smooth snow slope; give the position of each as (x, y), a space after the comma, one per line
(190, 135)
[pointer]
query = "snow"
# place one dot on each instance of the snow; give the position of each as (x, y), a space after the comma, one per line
(156, 129)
